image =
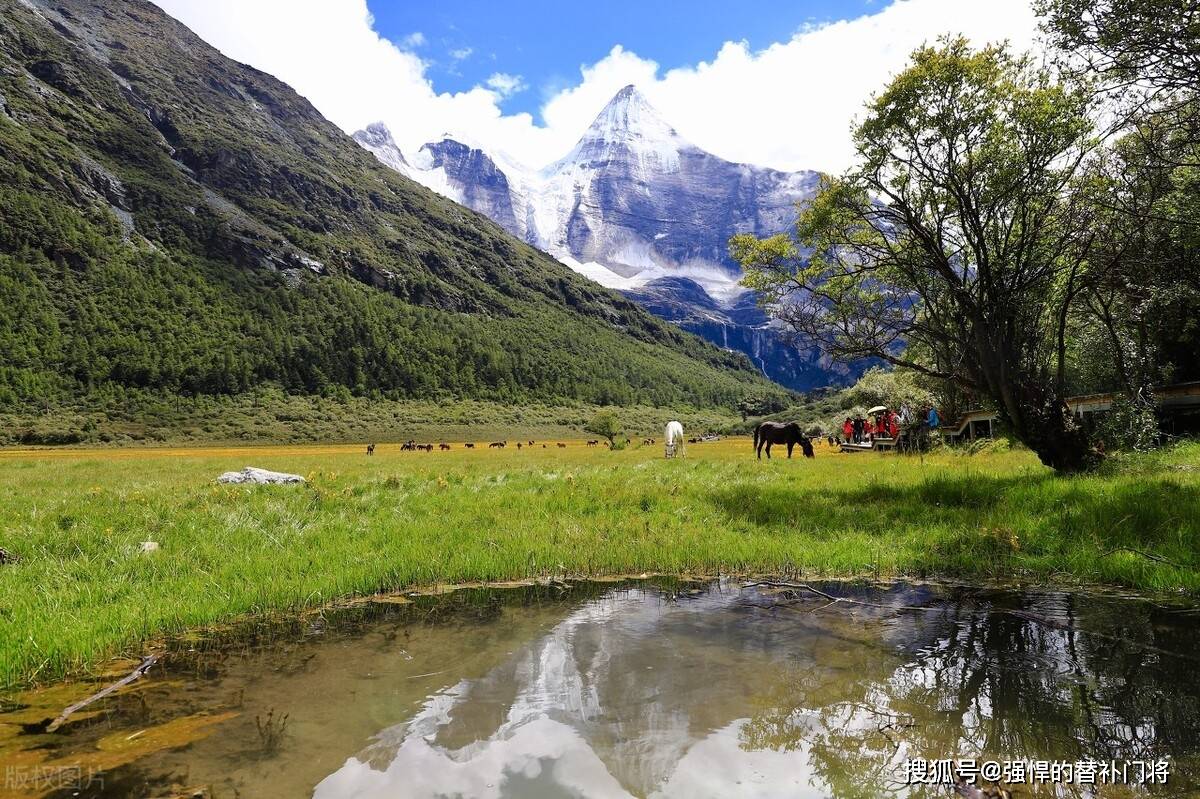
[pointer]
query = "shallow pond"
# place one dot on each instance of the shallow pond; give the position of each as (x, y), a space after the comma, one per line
(651, 688)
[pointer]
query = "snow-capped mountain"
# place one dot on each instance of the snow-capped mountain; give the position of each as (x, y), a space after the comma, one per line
(378, 139)
(637, 207)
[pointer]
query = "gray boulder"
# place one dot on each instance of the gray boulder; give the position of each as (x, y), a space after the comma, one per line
(260, 476)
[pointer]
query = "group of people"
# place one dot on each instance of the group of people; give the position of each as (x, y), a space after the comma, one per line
(860, 430)
(886, 423)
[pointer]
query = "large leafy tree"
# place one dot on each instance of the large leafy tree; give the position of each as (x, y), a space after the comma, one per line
(958, 246)
(1144, 57)
(1151, 44)
(1143, 310)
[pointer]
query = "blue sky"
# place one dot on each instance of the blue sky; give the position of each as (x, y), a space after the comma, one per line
(546, 41)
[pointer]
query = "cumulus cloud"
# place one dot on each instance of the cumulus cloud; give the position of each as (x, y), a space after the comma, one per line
(789, 106)
(506, 85)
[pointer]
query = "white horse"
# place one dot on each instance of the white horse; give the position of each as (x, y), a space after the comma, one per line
(674, 437)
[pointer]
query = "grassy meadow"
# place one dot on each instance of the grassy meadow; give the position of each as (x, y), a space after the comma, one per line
(82, 589)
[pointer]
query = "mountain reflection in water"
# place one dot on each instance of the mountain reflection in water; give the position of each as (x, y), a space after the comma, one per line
(656, 688)
(752, 692)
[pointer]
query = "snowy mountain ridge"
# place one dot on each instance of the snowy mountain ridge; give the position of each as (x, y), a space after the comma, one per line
(638, 208)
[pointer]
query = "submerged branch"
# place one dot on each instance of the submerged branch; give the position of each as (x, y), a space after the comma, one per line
(142, 668)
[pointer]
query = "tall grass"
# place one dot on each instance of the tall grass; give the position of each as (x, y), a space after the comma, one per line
(83, 589)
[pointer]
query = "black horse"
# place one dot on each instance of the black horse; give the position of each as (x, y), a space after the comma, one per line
(768, 433)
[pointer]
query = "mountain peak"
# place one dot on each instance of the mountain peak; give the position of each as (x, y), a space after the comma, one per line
(376, 133)
(378, 139)
(628, 91)
(629, 114)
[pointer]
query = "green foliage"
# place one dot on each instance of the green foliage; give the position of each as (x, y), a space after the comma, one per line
(1140, 327)
(1129, 425)
(130, 418)
(265, 248)
(1128, 42)
(893, 387)
(761, 403)
(606, 424)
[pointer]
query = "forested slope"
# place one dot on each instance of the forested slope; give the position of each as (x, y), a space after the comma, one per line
(173, 221)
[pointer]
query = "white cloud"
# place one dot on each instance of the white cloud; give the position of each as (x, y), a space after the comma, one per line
(413, 40)
(506, 85)
(789, 106)
(462, 53)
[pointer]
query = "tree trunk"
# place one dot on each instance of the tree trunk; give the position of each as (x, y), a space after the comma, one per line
(1059, 443)
(1035, 411)
(1042, 421)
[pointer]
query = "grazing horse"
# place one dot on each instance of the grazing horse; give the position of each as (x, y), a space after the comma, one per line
(674, 438)
(768, 433)
(370, 449)
(498, 444)
(593, 442)
(408, 446)
(518, 445)
(469, 446)
(561, 445)
(443, 447)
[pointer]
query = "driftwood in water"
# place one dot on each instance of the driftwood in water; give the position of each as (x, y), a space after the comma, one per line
(142, 668)
(832, 598)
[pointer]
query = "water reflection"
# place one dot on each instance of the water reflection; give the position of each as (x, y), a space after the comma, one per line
(652, 689)
(750, 693)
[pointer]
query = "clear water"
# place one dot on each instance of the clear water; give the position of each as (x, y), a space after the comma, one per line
(646, 689)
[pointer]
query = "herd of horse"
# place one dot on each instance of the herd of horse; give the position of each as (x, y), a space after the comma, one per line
(766, 435)
(412, 446)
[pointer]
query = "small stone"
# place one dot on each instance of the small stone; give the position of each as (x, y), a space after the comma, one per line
(149, 546)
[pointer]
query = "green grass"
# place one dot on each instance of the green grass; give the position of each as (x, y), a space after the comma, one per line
(83, 591)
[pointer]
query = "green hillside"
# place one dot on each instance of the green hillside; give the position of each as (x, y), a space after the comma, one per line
(175, 222)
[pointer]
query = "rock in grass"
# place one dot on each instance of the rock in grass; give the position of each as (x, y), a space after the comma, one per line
(149, 546)
(261, 476)
(7, 557)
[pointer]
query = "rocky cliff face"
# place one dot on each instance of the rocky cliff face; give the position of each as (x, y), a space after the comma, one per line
(637, 207)
(476, 179)
(741, 326)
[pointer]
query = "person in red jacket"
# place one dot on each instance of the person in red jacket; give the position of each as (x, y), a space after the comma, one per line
(848, 429)
(893, 424)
